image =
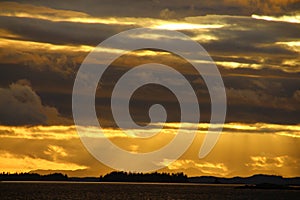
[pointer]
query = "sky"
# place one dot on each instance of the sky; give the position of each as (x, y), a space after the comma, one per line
(254, 43)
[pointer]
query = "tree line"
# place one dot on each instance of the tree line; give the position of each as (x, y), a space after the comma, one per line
(115, 176)
(141, 177)
(33, 177)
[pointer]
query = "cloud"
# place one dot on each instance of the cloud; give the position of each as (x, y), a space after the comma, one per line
(13, 9)
(244, 42)
(20, 105)
(25, 163)
(39, 132)
(293, 45)
(238, 152)
(56, 152)
(234, 7)
(251, 43)
(68, 132)
(254, 43)
(297, 95)
(166, 13)
(205, 168)
(261, 99)
(264, 96)
(63, 59)
(57, 15)
(263, 163)
(38, 30)
(125, 8)
(244, 49)
(235, 127)
(284, 18)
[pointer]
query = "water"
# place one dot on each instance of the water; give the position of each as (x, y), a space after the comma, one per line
(69, 190)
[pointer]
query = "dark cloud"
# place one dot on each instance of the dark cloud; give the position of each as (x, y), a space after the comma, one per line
(39, 30)
(261, 98)
(265, 96)
(153, 8)
(43, 43)
(262, 94)
(247, 40)
(20, 105)
(42, 59)
(251, 37)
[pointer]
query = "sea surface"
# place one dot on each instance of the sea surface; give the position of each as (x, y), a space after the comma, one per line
(78, 190)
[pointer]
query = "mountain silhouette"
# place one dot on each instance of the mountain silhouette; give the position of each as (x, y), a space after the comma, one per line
(117, 176)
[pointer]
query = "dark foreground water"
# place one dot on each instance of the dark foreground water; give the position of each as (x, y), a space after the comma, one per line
(67, 190)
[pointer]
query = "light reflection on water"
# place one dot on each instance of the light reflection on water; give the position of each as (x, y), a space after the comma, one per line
(96, 190)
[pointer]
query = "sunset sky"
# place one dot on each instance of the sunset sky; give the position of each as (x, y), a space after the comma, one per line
(254, 43)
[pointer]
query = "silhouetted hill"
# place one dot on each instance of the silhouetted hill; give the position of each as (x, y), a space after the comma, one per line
(154, 177)
(70, 173)
(255, 179)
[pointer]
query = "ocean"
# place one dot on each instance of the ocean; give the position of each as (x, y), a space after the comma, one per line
(124, 191)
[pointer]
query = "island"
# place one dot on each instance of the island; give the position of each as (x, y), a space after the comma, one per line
(258, 181)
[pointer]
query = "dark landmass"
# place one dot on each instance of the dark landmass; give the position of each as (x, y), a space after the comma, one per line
(259, 181)
(252, 180)
(148, 177)
(33, 177)
(111, 177)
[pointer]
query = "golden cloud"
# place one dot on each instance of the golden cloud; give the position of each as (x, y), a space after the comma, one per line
(66, 132)
(12, 9)
(284, 18)
(59, 147)
(42, 46)
(275, 164)
(13, 163)
(208, 168)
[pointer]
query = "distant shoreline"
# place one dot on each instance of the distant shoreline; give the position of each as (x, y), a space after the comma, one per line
(133, 183)
(252, 182)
